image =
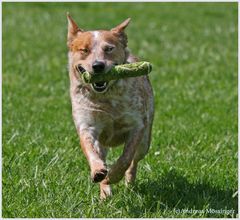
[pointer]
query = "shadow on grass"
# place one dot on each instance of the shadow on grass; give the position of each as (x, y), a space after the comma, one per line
(174, 191)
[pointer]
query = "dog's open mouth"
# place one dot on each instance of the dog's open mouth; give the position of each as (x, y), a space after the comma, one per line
(100, 86)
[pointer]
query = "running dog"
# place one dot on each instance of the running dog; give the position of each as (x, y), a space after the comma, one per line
(108, 114)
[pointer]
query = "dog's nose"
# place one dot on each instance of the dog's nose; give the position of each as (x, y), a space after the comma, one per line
(98, 66)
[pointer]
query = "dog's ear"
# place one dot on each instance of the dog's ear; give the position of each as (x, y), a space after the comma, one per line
(119, 31)
(121, 27)
(73, 29)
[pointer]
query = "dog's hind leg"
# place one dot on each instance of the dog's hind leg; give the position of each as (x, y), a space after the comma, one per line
(105, 189)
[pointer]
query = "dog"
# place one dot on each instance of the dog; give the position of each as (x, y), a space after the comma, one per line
(108, 114)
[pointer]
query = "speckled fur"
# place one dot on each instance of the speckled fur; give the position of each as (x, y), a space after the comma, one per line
(121, 115)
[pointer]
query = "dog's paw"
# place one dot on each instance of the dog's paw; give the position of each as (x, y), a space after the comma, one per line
(105, 191)
(99, 175)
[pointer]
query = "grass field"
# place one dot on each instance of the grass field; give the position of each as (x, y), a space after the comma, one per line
(192, 163)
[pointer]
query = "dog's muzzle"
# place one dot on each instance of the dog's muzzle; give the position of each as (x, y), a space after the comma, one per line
(99, 87)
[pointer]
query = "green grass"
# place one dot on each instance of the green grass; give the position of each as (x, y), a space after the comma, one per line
(192, 163)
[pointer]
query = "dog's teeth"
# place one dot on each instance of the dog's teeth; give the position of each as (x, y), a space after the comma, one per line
(100, 86)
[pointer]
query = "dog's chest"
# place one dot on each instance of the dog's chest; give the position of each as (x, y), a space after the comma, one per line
(123, 119)
(112, 118)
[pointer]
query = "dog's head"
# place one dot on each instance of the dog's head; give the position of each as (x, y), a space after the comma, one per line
(96, 51)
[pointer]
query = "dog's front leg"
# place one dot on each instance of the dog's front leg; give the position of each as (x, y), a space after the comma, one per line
(117, 171)
(89, 145)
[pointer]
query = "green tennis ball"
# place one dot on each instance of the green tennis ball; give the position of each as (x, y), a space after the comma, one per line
(119, 72)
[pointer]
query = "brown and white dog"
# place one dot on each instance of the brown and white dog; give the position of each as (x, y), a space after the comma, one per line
(108, 114)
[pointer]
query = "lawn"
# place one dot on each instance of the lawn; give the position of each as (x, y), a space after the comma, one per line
(191, 168)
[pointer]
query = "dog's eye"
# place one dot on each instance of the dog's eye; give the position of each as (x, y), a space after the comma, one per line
(109, 49)
(84, 50)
